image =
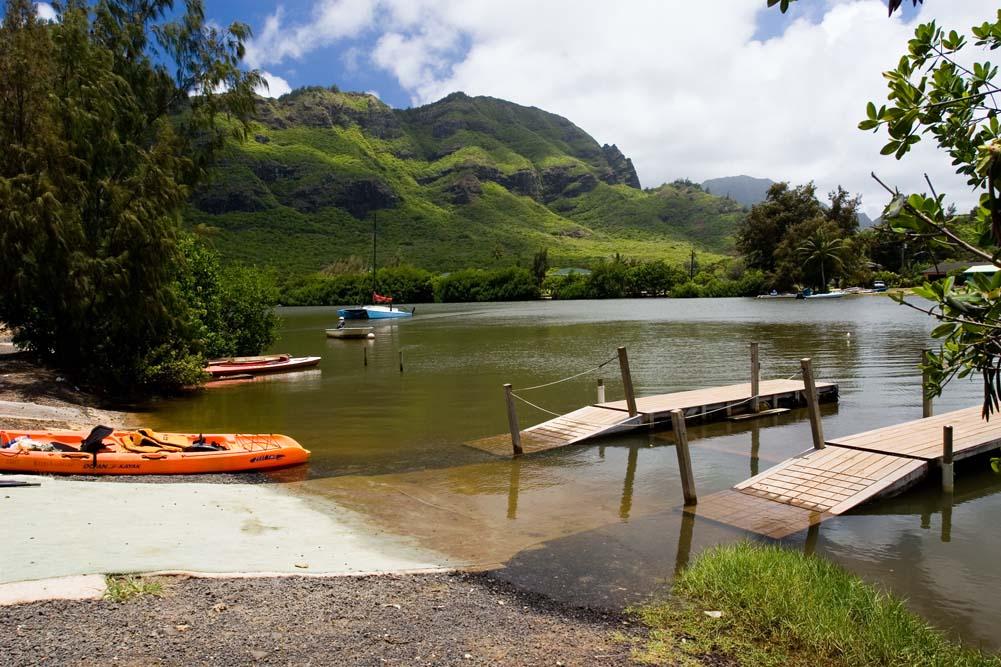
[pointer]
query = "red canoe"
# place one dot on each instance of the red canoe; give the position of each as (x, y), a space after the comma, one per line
(224, 367)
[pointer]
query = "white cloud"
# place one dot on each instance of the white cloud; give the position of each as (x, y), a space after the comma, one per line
(45, 11)
(331, 20)
(681, 87)
(276, 87)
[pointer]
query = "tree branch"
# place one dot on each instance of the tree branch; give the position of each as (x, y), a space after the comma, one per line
(945, 231)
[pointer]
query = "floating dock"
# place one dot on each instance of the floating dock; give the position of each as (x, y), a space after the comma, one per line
(849, 471)
(602, 419)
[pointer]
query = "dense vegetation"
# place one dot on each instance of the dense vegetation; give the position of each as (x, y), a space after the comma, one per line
(461, 183)
(779, 607)
(101, 146)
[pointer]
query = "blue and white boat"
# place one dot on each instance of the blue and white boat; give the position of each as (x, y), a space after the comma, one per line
(373, 313)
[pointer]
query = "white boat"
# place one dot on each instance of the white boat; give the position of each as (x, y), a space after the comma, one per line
(373, 313)
(351, 332)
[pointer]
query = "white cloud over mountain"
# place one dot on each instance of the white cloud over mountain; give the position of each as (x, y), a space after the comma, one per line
(682, 87)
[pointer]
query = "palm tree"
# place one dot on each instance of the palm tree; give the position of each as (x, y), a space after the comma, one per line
(823, 250)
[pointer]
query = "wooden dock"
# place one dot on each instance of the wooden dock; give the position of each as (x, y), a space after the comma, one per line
(602, 419)
(847, 472)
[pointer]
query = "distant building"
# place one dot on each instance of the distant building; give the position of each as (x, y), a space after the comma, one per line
(943, 269)
(981, 268)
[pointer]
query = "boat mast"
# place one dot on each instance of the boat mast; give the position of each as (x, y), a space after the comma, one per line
(375, 223)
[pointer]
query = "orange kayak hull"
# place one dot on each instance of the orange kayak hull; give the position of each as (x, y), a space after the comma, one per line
(244, 452)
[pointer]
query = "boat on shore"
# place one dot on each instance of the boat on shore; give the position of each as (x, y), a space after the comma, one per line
(255, 365)
(105, 451)
(351, 332)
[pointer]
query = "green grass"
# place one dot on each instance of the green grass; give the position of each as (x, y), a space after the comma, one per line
(125, 587)
(782, 608)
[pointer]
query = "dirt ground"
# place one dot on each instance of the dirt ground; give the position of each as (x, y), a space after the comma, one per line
(25, 382)
(436, 619)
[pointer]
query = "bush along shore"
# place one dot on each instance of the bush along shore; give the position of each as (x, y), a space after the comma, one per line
(615, 279)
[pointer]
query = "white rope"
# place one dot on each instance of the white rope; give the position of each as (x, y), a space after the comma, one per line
(700, 415)
(572, 377)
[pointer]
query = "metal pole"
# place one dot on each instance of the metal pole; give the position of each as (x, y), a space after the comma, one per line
(512, 421)
(627, 381)
(812, 404)
(947, 472)
(755, 378)
(684, 456)
(926, 406)
(601, 390)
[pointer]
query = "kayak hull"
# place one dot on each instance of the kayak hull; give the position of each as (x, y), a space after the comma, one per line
(244, 452)
(280, 366)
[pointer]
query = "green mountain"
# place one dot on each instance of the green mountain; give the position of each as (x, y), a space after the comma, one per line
(463, 182)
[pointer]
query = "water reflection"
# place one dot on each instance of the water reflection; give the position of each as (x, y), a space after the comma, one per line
(601, 523)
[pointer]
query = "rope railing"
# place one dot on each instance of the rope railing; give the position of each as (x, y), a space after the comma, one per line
(570, 377)
(728, 406)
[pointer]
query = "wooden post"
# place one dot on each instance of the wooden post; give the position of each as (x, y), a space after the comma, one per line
(684, 456)
(601, 390)
(512, 421)
(366, 356)
(947, 472)
(401, 361)
(627, 381)
(755, 377)
(812, 404)
(926, 407)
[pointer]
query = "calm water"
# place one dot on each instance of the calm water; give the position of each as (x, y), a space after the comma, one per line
(600, 524)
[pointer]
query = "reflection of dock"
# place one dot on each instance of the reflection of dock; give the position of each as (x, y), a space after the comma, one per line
(849, 471)
(603, 419)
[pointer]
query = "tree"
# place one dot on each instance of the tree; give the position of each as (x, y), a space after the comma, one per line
(932, 94)
(760, 234)
(822, 250)
(540, 264)
(108, 117)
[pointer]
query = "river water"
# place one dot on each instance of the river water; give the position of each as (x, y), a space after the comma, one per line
(600, 524)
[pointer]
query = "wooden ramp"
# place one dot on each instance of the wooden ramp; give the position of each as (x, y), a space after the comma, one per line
(850, 471)
(603, 419)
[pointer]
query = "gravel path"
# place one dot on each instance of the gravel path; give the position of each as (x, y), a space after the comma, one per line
(438, 619)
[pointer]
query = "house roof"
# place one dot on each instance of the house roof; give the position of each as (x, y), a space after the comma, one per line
(982, 268)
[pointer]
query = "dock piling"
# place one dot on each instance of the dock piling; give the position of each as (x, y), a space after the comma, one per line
(366, 356)
(947, 471)
(812, 404)
(627, 381)
(684, 456)
(512, 421)
(401, 361)
(926, 405)
(601, 390)
(755, 378)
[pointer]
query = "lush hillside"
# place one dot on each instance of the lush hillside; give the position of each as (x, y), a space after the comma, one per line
(459, 183)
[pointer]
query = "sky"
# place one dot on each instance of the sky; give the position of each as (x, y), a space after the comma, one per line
(686, 88)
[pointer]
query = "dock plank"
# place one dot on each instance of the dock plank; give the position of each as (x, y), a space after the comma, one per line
(595, 421)
(922, 438)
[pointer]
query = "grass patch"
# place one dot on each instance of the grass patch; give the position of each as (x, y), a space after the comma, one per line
(782, 608)
(124, 587)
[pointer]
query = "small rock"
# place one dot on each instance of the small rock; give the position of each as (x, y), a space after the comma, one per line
(713, 614)
(468, 656)
(302, 566)
(219, 607)
(183, 627)
(258, 655)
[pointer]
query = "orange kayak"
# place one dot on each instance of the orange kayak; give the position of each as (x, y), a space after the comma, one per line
(132, 453)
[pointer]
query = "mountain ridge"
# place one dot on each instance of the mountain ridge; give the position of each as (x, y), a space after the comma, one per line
(465, 181)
